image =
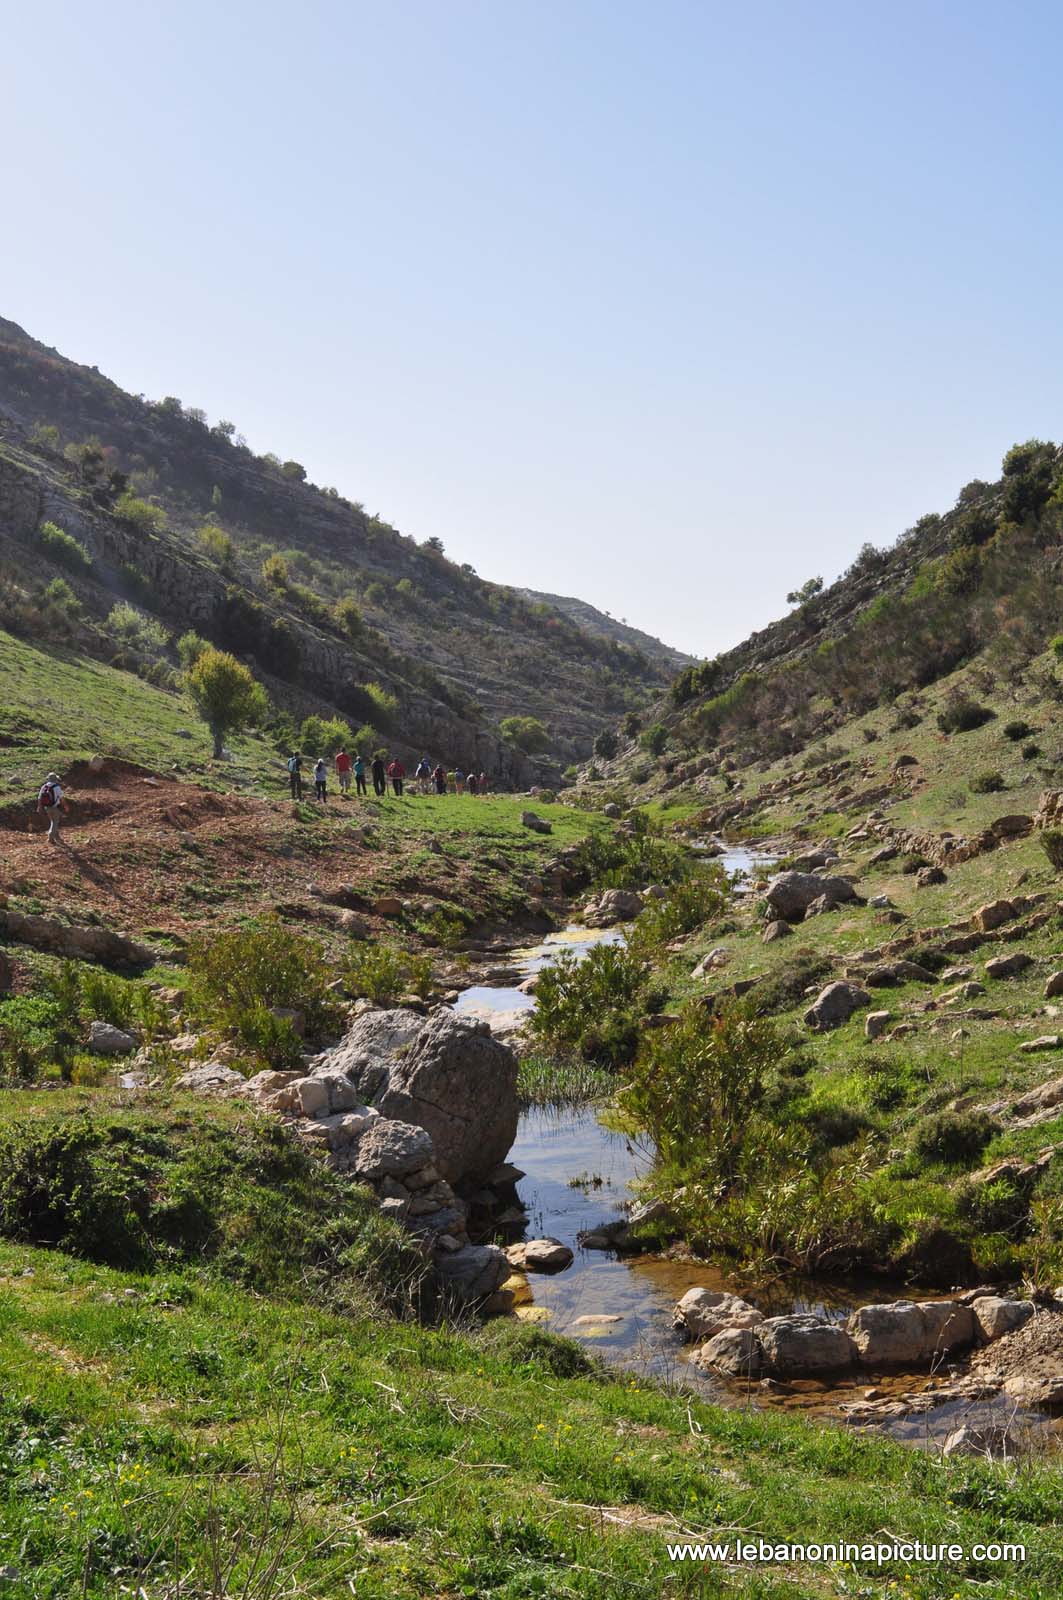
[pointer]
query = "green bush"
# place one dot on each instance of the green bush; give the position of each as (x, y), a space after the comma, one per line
(63, 548)
(689, 904)
(962, 714)
(1031, 750)
(594, 1006)
(606, 744)
(630, 860)
(323, 736)
(216, 543)
(953, 1138)
(238, 975)
(1017, 730)
(654, 739)
(1051, 840)
(190, 646)
(132, 629)
(139, 514)
(527, 733)
(380, 972)
(988, 783)
(61, 596)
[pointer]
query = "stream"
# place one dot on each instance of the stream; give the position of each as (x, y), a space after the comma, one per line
(576, 1178)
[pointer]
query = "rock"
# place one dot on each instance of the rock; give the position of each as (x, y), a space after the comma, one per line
(875, 1023)
(505, 1173)
(1042, 1098)
(354, 926)
(712, 962)
(880, 902)
(304, 1097)
(614, 905)
(389, 1148)
(540, 1255)
(107, 1040)
(992, 915)
(947, 1326)
(211, 1078)
(905, 761)
(1053, 985)
(835, 1004)
(597, 1320)
(1008, 966)
(994, 1316)
(82, 944)
(791, 893)
(7, 974)
(820, 906)
(888, 852)
(1016, 826)
(389, 905)
(702, 1313)
(265, 1084)
(612, 810)
(735, 1351)
(926, 877)
(776, 930)
(1047, 1041)
(979, 1439)
(801, 1344)
(441, 1072)
(529, 819)
(648, 1211)
(888, 1335)
(473, 1272)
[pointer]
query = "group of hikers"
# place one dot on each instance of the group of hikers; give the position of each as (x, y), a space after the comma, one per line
(382, 772)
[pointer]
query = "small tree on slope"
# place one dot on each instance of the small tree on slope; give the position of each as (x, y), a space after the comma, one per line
(226, 695)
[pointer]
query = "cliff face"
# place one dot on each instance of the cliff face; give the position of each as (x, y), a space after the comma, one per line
(460, 653)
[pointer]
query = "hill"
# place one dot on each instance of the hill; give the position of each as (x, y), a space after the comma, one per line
(603, 626)
(338, 612)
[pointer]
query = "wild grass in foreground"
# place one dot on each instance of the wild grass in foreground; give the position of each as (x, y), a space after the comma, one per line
(559, 1082)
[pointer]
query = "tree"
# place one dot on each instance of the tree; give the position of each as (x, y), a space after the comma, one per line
(294, 469)
(225, 694)
(275, 572)
(323, 736)
(808, 591)
(527, 733)
(606, 744)
(435, 544)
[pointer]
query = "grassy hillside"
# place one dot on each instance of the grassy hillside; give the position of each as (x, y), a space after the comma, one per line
(339, 610)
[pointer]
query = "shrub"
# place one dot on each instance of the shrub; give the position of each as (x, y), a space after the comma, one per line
(1031, 750)
(190, 646)
(953, 1138)
(594, 1006)
(383, 706)
(690, 903)
(527, 733)
(63, 548)
(380, 973)
(654, 739)
(987, 783)
(131, 628)
(323, 736)
(1017, 730)
(59, 594)
(139, 514)
(961, 714)
(785, 987)
(606, 744)
(225, 694)
(275, 573)
(347, 616)
(1052, 845)
(244, 973)
(696, 1086)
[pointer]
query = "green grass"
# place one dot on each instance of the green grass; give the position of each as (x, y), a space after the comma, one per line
(151, 1426)
(561, 1081)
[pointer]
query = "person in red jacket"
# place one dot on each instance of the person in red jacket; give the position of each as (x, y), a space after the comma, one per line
(396, 772)
(343, 771)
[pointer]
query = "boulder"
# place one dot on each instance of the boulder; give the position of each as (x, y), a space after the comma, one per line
(790, 894)
(1047, 1041)
(473, 1272)
(712, 962)
(776, 930)
(107, 1040)
(304, 1097)
(539, 1255)
(876, 1022)
(980, 1439)
(702, 1313)
(1008, 966)
(835, 1004)
(81, 944)
(1053, 985)
(1016, 826)
(211, 1078)
(888, 1335)
(529, 819)
(947, 1326)
(995, 1316)
(803, 1344)
(614, 905)
(926, 877)
(880, 902)
(442, 1072)
(388, 905)
(391, 1149)
(612, 811)
(992, 915)
(734, 1351)
(888, 852)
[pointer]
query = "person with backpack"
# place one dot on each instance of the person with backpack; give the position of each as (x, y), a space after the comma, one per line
(471, 783)
(440, 777)
(343, 771)
(295, 775)
(459, 781)
(482, 783)
(397, 772)
(380, 781)
(359, 775)
(320, 779)
(423, 774)
(50, 804)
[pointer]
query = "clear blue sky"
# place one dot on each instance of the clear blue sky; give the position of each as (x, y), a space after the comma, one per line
(666, 305)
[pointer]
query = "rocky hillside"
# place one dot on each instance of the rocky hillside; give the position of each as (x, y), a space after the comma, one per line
(183, 521)
(603, 626)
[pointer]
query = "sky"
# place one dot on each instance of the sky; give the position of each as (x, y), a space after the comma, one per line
(666, 305)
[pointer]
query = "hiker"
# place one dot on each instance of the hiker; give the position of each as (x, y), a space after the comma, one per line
(320, 779)
(343, 771)
(440, 780)
(295, 775)
(483, 783)
(50, 804)
(359, 775)
(423, 774)
(459, 781)
(380, 782)
(397, 772)
(471, 782)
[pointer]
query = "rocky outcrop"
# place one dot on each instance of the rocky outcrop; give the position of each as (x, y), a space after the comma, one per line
(107, 1040)
(703, 1313)
(442, 1073)
(790, 894)
(79, 944)
(835, 1004)
(611, 907)
(804, 1344)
